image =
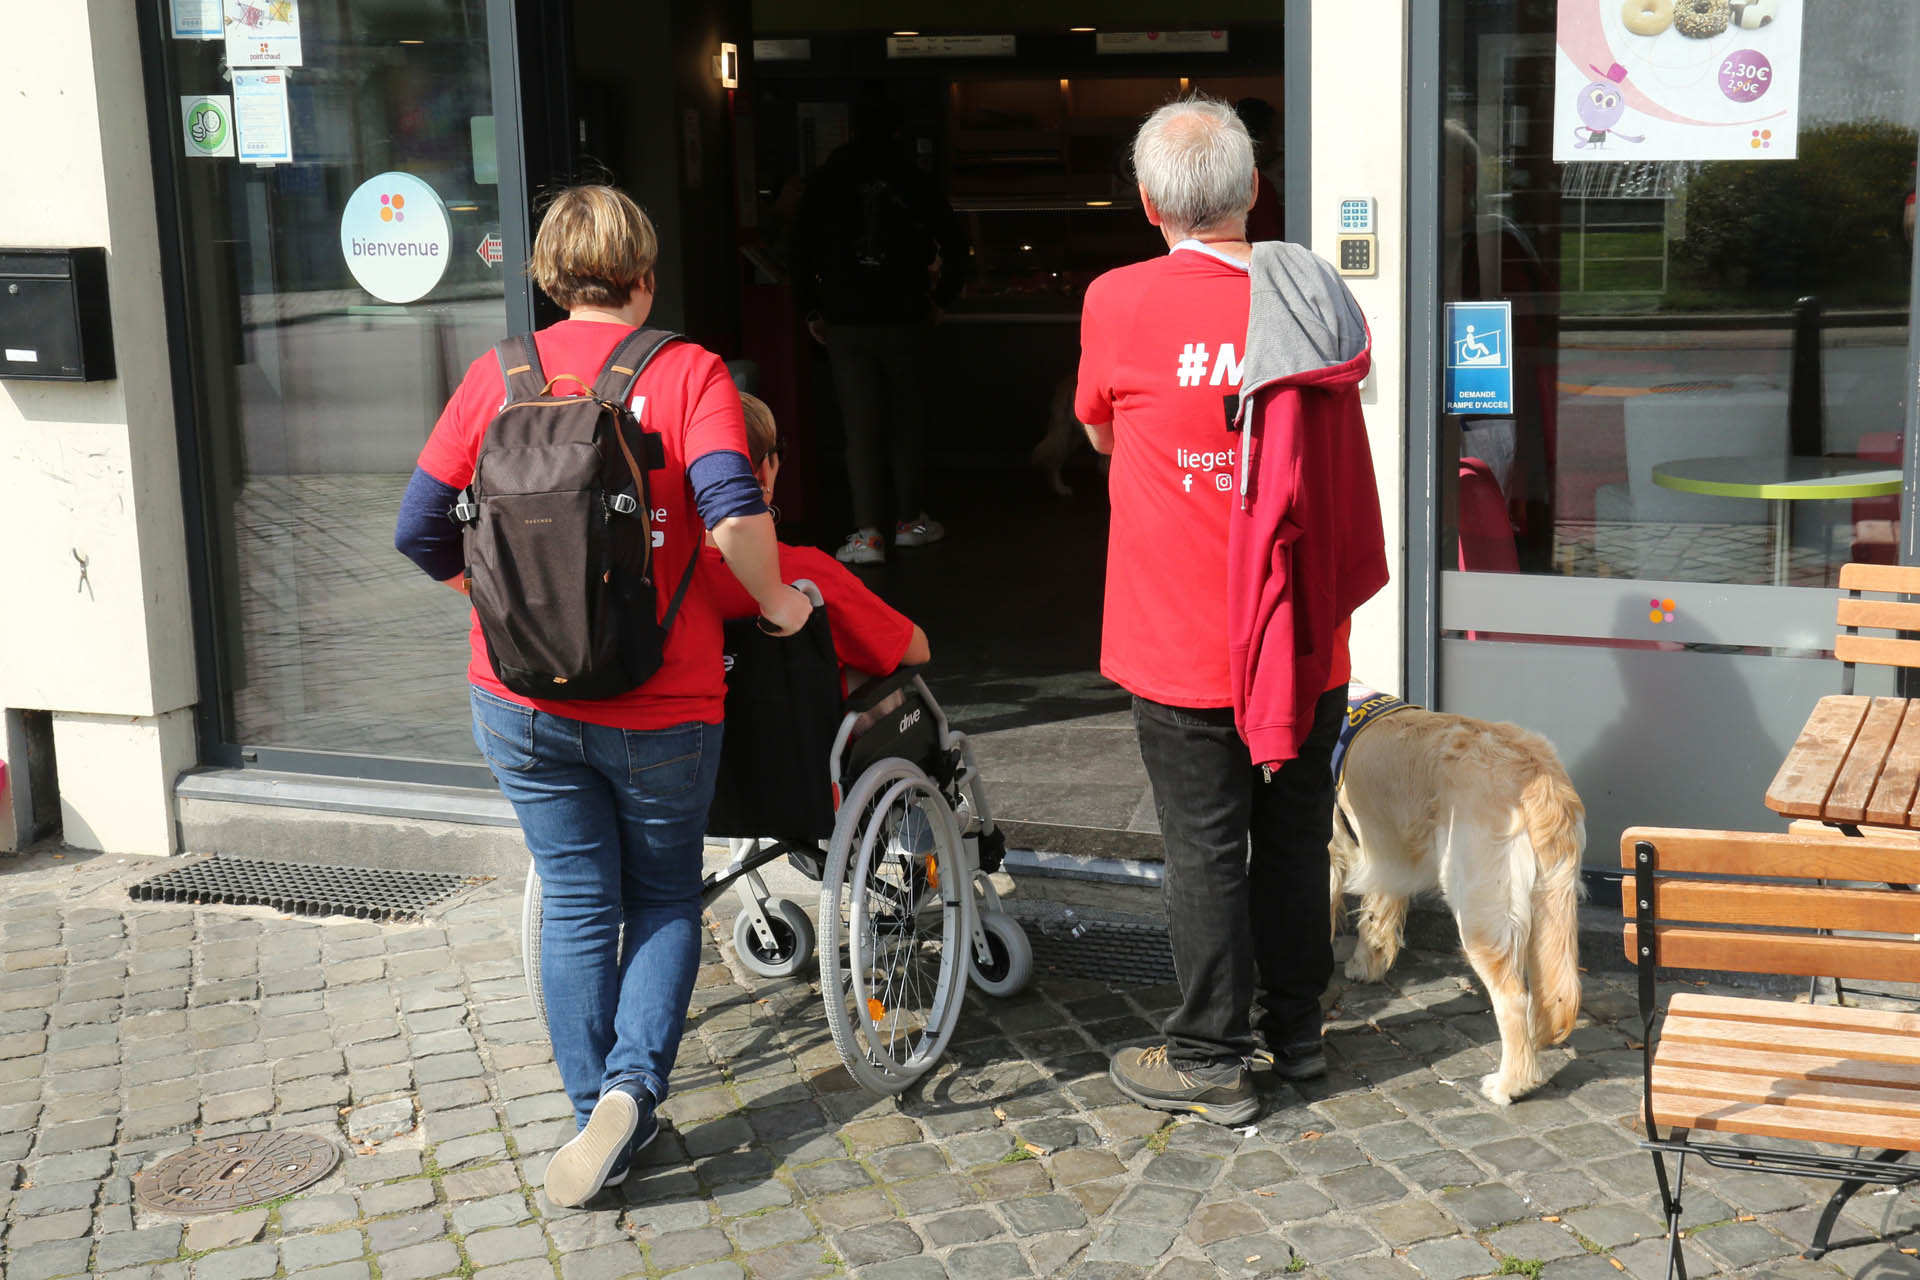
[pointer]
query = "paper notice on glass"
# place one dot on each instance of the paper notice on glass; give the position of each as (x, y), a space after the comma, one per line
(260, 117)
(263, 33)
(1662, 82)
(197, 20)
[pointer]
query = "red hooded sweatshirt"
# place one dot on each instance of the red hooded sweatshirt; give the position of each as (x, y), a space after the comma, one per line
(1305, 547)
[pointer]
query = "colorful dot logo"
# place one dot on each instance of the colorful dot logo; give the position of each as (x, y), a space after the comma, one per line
(1659, 611)
(1762, 140)
(391, 208)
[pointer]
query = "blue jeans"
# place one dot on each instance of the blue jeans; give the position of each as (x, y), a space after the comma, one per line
(614, 820)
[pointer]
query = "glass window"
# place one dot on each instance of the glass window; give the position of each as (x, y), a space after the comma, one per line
(334, 299)
(1708, 355)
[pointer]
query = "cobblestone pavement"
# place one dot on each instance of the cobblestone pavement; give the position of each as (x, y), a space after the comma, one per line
(127, 1033)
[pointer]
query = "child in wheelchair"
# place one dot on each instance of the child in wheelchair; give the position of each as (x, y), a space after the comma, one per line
(870, 637)
(892, 790)
(873, 795)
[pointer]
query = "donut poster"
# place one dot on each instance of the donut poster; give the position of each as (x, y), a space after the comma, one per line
(1677, 80)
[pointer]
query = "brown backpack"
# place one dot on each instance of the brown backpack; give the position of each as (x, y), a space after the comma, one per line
(559, 529)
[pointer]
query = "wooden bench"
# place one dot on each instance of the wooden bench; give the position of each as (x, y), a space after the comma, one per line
(1796, 1075)
(1856, 761)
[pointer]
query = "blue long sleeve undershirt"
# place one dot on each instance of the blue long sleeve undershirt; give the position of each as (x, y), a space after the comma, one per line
(722, 481)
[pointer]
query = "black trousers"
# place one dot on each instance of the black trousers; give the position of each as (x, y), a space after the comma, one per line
(881, 374)
(1246, 878)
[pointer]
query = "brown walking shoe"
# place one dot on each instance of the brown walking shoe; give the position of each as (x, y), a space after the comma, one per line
(1221, 1094)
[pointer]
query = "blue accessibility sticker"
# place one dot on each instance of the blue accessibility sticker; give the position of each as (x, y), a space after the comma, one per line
(1479, 363)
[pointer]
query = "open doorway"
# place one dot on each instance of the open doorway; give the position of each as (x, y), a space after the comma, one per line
(1023, 125)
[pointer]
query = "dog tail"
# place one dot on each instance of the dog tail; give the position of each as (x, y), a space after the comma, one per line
(1556, 825)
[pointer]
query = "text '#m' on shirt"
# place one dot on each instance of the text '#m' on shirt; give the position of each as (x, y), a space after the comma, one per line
(1161, 344)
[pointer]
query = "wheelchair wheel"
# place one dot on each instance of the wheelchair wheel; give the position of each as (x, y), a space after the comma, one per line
(530, 943)
(792, 940)
(895, 915)
(1010, 967)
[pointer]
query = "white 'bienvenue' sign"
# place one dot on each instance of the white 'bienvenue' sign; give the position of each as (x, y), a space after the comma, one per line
(395, 237)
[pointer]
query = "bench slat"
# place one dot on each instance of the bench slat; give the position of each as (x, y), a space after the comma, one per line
(1866, 1046)
(1894, 911)
(1819, 830)
(1766, 1120)
(1756, 854)
(1785, 1065)
(1806, 776)
(1781, 1013)
(1897, 579)
(1866, 758)
(1801, 954)
(1820, 1094)
(1894, 794)
(1877, 651)
(1881, 615)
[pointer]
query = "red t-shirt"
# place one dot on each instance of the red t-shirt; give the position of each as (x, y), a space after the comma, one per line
(687, 398)
(1161, 344)
(869, 635)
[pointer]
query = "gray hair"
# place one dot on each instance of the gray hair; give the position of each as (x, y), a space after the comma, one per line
(1196, 162)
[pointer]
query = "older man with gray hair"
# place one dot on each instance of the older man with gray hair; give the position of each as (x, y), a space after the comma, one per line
(1164, 355)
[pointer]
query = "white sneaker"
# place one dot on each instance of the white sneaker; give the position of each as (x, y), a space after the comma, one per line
(863, 546)
(918, 532)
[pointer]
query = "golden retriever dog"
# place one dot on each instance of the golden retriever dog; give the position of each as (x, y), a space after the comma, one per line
(1483, 812)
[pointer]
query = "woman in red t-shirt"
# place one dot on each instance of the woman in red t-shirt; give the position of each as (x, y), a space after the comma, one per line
(612, 794)
(870, 637)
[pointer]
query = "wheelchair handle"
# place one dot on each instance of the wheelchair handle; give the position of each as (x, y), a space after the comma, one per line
(806, 588)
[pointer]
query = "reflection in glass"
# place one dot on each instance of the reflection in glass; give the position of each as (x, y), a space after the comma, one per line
(315, 395)
(1671, 314)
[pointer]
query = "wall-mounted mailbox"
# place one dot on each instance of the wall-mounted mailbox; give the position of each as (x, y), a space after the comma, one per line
(54, 322)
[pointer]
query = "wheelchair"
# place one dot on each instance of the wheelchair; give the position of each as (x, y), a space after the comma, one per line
(878, 799)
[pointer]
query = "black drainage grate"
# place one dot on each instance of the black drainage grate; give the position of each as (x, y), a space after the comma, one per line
(233, 1173)
(302, 888)
(1118, 949)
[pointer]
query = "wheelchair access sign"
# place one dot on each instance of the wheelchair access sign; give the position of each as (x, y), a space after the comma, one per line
(1479, 361)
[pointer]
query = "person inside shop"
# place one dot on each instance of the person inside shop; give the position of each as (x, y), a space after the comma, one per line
(870, 637)
(878, 253)
(612, 793)
(1267, 220)
(1162, 344)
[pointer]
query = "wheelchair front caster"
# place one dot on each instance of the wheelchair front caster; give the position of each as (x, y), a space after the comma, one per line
(792, 940)
(1010, 956)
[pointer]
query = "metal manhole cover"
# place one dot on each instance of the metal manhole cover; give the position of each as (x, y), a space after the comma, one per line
(236, 1172)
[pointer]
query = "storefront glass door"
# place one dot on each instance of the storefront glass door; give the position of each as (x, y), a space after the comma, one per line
(1693, 406)
(342, 258)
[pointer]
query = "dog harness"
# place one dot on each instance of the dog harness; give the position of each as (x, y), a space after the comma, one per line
(1364, 707)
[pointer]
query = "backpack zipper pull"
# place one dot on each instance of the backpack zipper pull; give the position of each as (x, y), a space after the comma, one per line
(1266, 773)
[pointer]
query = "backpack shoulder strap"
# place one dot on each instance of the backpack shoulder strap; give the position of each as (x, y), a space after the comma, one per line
(628, 361)
(520, 368)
